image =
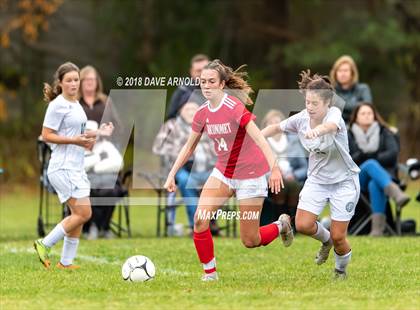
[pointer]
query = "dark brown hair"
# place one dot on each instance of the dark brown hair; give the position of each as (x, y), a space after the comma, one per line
(319, 83)
(51, 92)
(234, 80)
(376, 116)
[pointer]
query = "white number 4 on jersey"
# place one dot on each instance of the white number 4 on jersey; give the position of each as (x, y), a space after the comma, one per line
(221, 144)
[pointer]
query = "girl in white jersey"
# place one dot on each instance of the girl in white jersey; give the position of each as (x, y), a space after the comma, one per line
(243, 160)
(63, 128)
(332, 174)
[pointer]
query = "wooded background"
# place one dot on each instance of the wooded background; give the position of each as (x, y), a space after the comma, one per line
(277, 39)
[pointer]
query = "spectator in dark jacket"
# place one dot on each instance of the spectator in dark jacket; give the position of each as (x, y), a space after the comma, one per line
(183, 92)
(345, 79)
(374, 147)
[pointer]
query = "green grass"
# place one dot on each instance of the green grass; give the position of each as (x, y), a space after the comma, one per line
(384, 272)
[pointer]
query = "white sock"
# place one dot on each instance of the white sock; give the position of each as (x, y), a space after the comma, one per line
(210, 265)
(54, 236)
(341, 261)
(69, 250)
(279, 225)
(322, 234)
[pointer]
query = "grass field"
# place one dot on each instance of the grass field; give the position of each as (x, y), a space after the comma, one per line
(384, 272)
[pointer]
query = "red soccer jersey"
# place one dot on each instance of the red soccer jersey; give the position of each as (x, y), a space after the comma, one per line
(238, 157)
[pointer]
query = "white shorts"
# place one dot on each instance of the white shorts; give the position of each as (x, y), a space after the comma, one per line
(342, 196)
(69, 184)
(246, 188)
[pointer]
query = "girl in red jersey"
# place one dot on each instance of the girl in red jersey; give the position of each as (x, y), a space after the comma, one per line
(244, 159)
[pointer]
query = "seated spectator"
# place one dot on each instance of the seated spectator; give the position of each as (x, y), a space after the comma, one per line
(102, 163)
(293, 164)
(374, 147)
(345, 78)
(168, 143)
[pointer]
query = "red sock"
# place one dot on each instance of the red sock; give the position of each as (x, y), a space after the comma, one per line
(268, 233)
(205, 249)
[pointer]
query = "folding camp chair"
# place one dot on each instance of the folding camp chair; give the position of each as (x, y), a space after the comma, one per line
(360, 221)
(117, 194)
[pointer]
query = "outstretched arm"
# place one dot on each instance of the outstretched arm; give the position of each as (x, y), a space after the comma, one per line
(276, 180)
(330, 126)
(321, 130)
(185, 153)
(271, 130)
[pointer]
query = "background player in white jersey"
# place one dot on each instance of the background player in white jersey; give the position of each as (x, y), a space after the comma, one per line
(243, 160)
(332, 174)
(63, 128)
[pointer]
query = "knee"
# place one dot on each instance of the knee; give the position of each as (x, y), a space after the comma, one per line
(369, 164)
(200, 224)
(338, 238)
(250, 242)
(305, 227)
(85, 215)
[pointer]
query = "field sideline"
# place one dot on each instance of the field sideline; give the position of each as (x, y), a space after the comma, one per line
(384, 272)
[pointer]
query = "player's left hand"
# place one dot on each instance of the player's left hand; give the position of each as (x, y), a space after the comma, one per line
(312, 133)
(276, 180)
(106, 129)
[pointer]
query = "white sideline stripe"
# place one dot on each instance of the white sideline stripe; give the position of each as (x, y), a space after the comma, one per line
(93, 259)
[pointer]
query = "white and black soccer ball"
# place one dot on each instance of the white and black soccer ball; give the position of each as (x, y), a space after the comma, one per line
(138, 268)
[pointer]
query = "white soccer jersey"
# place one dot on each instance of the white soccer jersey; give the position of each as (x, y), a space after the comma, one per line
(329, 158)
(68, 119)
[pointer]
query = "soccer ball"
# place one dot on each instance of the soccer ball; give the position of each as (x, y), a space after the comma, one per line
(138, 268)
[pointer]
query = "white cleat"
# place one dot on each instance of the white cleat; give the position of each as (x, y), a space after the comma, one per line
(286, 232)
(210, 277)
(324, 252)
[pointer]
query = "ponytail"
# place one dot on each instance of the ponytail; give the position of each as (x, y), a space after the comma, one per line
(51, 92)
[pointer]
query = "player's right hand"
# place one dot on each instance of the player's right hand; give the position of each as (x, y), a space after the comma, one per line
(170, 185)
(84, 141)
